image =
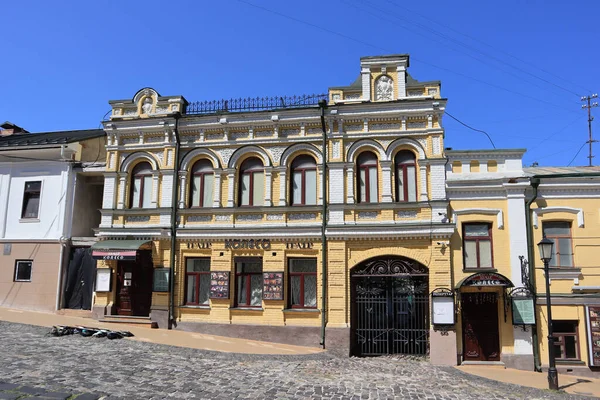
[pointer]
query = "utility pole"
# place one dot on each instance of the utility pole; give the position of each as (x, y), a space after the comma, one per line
(589, 105)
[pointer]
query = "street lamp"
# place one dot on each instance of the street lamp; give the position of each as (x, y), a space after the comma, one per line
(545, 247)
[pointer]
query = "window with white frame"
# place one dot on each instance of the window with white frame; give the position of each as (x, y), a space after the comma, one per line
(201, 193)
(406, 176)
(367, 177)
(141, 185)
(562, 251)
(31, 200)
(252, 183)
(304, 181)
(23, 270)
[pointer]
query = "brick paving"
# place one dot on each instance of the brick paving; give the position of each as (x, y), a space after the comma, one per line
(33, 363)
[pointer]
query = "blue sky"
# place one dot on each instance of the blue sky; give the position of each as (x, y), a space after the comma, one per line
(513, 68)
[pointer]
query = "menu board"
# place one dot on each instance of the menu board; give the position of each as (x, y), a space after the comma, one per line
(592, 314)
(523, 311)
(161, 280)
(443, 310)
(103, 277)
(219, 285)
(273, 286)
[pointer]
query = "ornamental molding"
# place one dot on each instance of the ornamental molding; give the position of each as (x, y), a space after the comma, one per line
(363, 144)
(274, 217)
(409, 142)
(486, 211)
(276, 153)
(249, 217)
(302, 216)
(255, 150)
(225, 154)
(189, 157)
(367, 214)
(384, 88)
(407, 214)
(295, 148)
(137, 218)
(199, 218)
(546, 210)
(128, 160)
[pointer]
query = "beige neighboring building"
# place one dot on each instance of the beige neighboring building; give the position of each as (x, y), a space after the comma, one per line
(49, 201)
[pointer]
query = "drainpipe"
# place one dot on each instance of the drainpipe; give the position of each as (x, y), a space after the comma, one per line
(323, 105)
(174, 201)
(535, 182)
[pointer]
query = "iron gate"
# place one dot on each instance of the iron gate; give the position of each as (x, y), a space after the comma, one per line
(390, 307)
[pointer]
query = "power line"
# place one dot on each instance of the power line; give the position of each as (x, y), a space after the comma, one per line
(555, 133)
(486, 44)
(576, 154)
(389, 51)
(470, 127)
(589, 107)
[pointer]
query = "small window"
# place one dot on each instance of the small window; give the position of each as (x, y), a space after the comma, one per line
(367, 178)
(566, 340)
(477, 246)
(197, 281)
(406, 177)
(304, 181)
(31, 199)
(201, 193)
(252, 183)
(23, 270)
(562, 252)
(141, 185)
(249, 282)
(303, 282)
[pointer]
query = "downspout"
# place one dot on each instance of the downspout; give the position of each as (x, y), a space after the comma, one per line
(535, 182)
(323, 105)
(67, 230)
(174, 201)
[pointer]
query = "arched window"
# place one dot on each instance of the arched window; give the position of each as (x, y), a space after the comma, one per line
(367, 178)
(406, 176)
(201, 186)
(141, 185)
(252, 183)
(304, 181)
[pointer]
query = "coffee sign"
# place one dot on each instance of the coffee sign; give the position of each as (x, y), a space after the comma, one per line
(252, 244)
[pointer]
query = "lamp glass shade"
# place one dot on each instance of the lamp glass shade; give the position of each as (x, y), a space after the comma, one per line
(545, 247)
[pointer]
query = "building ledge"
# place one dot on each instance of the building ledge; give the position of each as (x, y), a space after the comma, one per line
(565, 273)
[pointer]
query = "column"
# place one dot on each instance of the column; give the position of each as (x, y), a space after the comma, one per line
(230, 186)
(268, 183)
(155, 183)
(320, 186)
(121, 195)
(282, 186)
(423, 178)
(366, 83)
(182, 187)
(401, 81)
(386, 172)
(217, 188)
(108, 199)
(350, 184)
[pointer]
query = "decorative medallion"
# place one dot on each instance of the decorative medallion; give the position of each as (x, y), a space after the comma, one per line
(384, 88)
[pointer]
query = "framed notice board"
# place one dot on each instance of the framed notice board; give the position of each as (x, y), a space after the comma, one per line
(161, 280)
(219, 285)
(592, 316)
(523, 311)
(273, 286)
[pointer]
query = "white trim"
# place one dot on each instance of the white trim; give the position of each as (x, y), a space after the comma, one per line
(185, 165)
(545, 210)
(487, 211)
(299, 147)
(125, 165)
(249, 150)
(406, 141)
(365, 143)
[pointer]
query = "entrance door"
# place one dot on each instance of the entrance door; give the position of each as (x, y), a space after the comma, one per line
(79, 285)
(481, 341)
(134, 285)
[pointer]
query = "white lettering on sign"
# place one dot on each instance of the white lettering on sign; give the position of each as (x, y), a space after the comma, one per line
(113, 257)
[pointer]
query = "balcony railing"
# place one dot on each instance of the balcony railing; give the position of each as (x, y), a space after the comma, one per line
(254, 104)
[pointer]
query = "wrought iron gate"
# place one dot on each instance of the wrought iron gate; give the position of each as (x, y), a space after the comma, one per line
(390, 307)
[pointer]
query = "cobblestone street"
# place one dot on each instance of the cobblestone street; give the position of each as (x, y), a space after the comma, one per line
(127, 369)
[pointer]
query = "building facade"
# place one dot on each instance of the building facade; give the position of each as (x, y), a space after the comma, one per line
(45, 204)
(249, 212)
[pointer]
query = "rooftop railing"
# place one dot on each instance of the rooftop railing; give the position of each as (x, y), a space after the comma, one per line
(254, 104)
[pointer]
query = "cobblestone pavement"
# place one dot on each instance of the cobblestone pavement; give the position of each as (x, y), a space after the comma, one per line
(126, 369)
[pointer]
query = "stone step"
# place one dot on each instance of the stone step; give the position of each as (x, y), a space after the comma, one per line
(128, 320)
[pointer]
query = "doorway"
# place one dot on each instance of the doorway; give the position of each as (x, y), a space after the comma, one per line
(481, 340)
(134, 285)
(79, 285)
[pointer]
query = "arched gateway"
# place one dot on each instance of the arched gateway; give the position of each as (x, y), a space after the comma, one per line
(390, 307)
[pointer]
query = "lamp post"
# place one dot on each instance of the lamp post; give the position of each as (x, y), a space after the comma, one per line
(545, 247)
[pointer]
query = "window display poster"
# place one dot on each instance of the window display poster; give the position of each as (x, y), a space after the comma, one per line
(273, 286)
(592, 314)
(523, 311)
(103, 276)
(443, 310)
(219, 285)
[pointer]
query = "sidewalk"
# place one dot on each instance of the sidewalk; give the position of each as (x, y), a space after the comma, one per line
(160, 336)
(568, 383)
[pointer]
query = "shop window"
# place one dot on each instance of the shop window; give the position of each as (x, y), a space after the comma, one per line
(141, 185)
(566, 340)
(406, 176)
(201, 193)
(23, 270)
(31, 199)
(249, 282)
(477, 246)
(252, 183)
(303, 282)
(367, 178)
(197, 281)
(304, 181)
(560, 233)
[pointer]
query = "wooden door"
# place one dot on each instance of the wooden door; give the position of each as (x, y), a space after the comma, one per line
(134, 285)
(481, 340)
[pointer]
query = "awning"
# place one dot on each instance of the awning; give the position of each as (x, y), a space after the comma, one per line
(117, 249)
(483, 279)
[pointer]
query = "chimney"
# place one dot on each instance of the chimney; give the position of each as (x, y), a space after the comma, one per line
(8, 128)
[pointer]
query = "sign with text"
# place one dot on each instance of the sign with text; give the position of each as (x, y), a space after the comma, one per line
(523, 311)
(161, 280)
(252, 244)
(487, 279)
(199, 245)
(299, 245)
(103, 278)
(121, 255)
(219, 285)
(592, 314)
(273, 286)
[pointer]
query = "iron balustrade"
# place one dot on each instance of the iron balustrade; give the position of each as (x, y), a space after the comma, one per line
(254, 104)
